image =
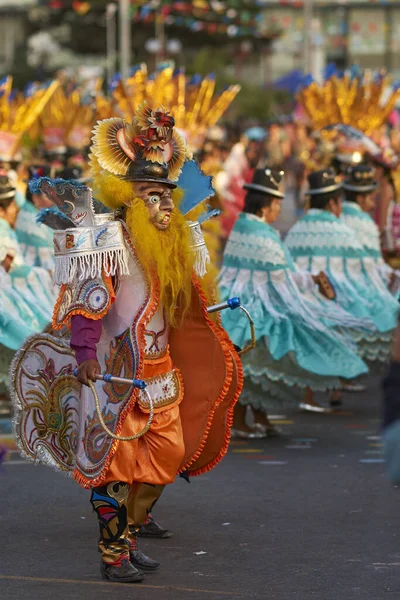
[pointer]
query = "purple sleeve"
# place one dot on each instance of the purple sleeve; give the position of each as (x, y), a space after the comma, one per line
(85, 335)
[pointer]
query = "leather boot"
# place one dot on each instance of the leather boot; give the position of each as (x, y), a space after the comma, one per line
(138, 558)
(110, 504)
(151, 529)
(121, 572)
(142, 499)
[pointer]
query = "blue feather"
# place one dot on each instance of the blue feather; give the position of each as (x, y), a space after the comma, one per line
(210, 214)
(114, 82)
(44, 212)
(101, 236)
(307, 80)
(134, 70)
(81, 239)
(195, 185)
(54, 218)
(195, 80)
(329, 71)
(35, 184)
(34, 187)
(354, 72)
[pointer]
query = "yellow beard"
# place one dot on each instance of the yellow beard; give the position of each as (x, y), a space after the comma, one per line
(166, 254)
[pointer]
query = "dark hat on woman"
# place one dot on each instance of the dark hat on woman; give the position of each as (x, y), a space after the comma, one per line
(360, 179)
(323, 182)
(266, 182)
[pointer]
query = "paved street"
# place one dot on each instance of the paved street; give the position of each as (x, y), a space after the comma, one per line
(309, 515)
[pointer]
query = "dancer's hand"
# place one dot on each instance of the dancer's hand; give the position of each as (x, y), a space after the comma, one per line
(7, 262)
(88, 370)
(324, 285)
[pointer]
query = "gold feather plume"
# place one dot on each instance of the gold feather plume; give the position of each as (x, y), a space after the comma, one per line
(362, 101)
(72, 119)
(193, 103)
(103, 107)
(19, 115)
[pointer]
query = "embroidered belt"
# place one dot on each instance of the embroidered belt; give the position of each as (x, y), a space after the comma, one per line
(164, 389)
(156, 355)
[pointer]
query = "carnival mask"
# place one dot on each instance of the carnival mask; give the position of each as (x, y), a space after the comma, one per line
(158, 200)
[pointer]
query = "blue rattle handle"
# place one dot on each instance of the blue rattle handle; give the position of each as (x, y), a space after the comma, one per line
(108, 378)
(231, 303)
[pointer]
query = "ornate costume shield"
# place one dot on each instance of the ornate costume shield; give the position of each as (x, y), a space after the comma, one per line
(46, 399)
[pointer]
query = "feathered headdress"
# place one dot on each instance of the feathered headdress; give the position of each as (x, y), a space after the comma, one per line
(147, 149)
(355, 98)
(19, 113)
(348, 108)
(66, 122)
(192, 101)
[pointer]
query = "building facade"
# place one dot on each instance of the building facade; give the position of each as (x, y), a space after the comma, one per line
(12, 29)
(350, 32)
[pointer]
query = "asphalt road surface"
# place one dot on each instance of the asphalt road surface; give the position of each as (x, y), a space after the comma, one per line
(309, 515)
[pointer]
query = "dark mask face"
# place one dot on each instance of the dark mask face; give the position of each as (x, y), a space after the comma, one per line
(158, 200)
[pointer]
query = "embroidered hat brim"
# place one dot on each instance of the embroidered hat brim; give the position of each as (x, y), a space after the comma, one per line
(264, 190)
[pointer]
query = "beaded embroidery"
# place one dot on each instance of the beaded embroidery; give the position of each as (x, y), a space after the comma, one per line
(91, 298)
(165, 389)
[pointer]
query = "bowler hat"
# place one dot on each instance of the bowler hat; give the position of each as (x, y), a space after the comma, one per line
(266, 182)
(360, 178)
(323, 182)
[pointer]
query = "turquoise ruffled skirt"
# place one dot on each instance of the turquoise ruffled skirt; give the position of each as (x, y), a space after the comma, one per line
(295, 349)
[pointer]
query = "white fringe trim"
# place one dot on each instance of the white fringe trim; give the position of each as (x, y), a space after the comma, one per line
(202, 260)
(81, 266)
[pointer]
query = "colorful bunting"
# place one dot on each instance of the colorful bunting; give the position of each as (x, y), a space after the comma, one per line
(235, 18)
